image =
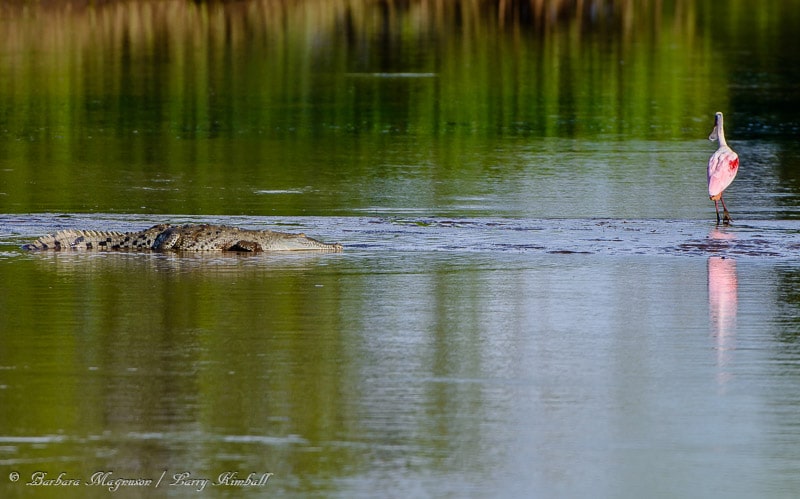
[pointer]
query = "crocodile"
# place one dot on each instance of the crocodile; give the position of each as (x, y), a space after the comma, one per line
(190, 237)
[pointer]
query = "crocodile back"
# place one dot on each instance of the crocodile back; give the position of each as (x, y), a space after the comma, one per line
(76, 239)
(163, 237)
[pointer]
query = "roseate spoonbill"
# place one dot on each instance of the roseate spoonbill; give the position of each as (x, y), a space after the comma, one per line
(722, 168)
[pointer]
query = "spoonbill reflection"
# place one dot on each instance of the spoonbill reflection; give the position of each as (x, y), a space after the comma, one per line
(722, 308)
(722, 168)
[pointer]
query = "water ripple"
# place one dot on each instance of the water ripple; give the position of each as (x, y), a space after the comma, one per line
(748, 238)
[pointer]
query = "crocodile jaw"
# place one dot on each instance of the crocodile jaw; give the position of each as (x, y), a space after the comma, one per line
(301, 242)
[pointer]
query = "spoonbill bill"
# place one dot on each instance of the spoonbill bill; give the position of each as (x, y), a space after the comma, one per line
(722, 168)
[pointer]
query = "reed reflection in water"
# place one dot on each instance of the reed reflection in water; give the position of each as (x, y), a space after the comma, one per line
(235, 107)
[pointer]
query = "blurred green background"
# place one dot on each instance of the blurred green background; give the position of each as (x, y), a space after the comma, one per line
(321, 107)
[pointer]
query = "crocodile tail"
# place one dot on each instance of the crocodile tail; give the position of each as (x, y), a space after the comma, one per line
(77, 240)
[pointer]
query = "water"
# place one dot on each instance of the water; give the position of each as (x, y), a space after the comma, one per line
(533, 301)
(433, 357)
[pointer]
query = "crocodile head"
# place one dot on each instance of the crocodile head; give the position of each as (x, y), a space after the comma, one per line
(301, 242)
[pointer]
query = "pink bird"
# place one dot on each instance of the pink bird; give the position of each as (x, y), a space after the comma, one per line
(722, 168)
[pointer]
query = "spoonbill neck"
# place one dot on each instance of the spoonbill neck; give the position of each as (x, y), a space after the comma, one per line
(720, 131)
(721, 135)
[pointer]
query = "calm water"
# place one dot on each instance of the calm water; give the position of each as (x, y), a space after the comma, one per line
(533, 300)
